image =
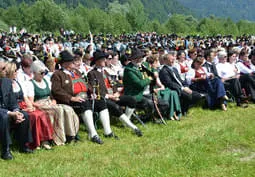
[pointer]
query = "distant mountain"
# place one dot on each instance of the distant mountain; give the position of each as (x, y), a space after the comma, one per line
(235, 9)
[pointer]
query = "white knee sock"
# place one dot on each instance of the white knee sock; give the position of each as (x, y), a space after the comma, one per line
(124, 119)
(105, 119)
(87, 118)
(129, 112)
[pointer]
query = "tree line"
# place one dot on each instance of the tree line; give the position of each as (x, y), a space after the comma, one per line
(117, 18)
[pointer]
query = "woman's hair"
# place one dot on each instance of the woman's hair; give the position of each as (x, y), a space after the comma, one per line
(230, 53)
(50, 62)
(179, 53)
(11, 68)
(192, 51)
(38, 66)
(243, 52)
(197, 60)
(152, 58)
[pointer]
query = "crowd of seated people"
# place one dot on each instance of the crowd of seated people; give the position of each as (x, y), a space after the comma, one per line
(44, 99)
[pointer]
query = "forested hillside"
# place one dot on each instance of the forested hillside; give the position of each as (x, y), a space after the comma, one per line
(156, 9)
(115, 17)
(161, 9)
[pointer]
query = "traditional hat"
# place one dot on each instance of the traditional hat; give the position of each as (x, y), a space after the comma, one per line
(66, 56)
(97, 55)
(136, 54)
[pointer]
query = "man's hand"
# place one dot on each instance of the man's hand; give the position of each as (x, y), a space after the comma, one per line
(187, 90)
(17, 116)
(211, 76)
(77, 99)
(53, 102)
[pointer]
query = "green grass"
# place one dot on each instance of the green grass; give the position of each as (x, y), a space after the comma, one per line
(206, 143)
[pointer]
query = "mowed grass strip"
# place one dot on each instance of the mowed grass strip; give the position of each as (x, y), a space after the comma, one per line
(205, 143)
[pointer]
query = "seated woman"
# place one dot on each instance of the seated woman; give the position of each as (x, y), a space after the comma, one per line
(230, 77)
(68, 87)
(64, 119)
(207, 84)
(182, 65)
(41, 127)
(247, 75)
(165, 93)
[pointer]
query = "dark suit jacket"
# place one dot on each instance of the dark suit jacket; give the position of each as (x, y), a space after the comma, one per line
(211, 68)
(167, 78)
(8, 100)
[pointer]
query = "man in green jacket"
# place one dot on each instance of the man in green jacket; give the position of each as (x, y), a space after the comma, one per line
(137, 83)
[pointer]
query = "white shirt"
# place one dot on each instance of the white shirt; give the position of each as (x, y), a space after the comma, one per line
(253, 67)
(24, 80)
(225, 70)
(243, 69)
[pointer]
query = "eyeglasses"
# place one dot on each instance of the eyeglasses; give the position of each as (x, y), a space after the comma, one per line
(3, 68)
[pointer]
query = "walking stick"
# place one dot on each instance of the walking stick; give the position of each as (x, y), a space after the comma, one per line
(154, 96)
(95, 85)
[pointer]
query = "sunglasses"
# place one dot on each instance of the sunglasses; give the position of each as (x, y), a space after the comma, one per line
(44, 72)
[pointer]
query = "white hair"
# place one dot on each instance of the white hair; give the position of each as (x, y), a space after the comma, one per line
(38, 66)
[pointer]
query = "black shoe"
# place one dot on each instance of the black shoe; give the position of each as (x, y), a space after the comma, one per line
(26, 150)
(242, 105)
(112, 135)
(70, 139)
(96, 139)
(7, 155)
(138, 132)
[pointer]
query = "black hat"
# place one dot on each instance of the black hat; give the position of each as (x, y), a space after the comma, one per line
(97, 55)
(66, 56)
(78, 52)
(136, 54)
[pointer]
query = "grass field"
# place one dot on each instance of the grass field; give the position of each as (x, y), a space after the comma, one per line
(205, 143)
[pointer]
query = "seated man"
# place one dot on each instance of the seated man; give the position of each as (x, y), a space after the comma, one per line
(69, 87)
(10, 116)
(137, 84)
(171, 79)
(113, 101)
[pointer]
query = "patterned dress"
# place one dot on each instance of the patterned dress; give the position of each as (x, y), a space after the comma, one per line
(64, 120)
(41, 126)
